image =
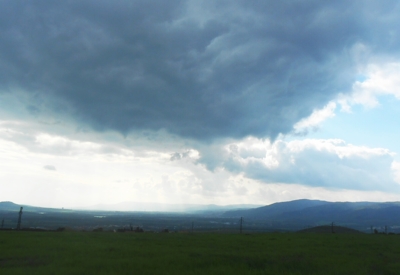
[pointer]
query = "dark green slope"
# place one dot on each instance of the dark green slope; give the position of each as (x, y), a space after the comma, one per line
(329, 229)
(275, 209)
(301, 213)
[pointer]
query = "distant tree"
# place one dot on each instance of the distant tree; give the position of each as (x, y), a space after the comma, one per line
(139, 230)
(19, 219)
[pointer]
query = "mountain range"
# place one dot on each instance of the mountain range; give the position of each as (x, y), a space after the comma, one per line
(303, 213)
(291, 215)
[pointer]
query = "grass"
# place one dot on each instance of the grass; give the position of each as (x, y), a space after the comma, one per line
(206, 253)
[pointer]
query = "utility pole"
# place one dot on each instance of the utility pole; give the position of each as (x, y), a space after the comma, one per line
(19, 219)
(241, 224)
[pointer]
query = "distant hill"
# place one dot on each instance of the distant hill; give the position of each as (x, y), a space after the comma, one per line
(329, 229)
(275, 209)
(283, 216)
(10, 206)
(307, 213)
(291, 216)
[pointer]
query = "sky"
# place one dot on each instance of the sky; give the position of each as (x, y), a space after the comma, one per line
(199, 102)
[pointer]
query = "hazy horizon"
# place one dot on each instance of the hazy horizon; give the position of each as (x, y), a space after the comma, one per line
(171, 207)
(147, 207)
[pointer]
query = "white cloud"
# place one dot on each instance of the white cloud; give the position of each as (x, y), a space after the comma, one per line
(326, 163)
(396, 171)
(377, 80)
(63, 145)
(250, 170)
(315, 119)
(374, 80)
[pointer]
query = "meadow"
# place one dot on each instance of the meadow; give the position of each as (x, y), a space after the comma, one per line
(198, 253)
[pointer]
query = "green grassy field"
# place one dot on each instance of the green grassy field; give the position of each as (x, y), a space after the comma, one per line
(206, 253)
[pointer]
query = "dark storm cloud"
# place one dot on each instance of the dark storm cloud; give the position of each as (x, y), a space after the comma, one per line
(199, 69)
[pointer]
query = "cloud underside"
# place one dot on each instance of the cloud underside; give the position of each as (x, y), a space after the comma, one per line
(49, 167)
(247, 171)
(332, 164)
(202, 70)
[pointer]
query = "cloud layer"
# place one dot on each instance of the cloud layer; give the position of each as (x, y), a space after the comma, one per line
(200, 70)
(320, 163)
(187, 100)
